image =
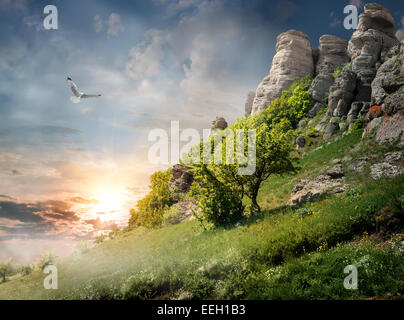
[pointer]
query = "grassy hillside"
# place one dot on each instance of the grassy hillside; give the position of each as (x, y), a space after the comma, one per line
(285, 253)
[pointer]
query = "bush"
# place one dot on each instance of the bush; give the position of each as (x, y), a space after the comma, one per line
(7, 268)
(150, 209)
(218, 203)
(292, 106)
(100, 239)
(359, 124)
(375, 112)
(48, 258)
(172, 216)
(338, 70)
(303, 212)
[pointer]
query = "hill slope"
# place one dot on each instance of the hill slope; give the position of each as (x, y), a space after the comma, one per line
(286, 253)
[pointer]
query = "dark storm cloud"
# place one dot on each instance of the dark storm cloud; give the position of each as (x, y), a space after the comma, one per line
(23, 212)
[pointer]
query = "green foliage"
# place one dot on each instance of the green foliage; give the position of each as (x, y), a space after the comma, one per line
(114, 233)
(303, 212)
(292, 106)
(150, 209)
(220, 188)
(7, 268)
(47, 258)
(352, 194)
(219, 204)
(100, 239)
(338, 70)
(26, 270)
(321, 276)
(358, 124)
(172, 216)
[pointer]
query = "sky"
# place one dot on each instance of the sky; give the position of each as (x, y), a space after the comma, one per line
(69, 172)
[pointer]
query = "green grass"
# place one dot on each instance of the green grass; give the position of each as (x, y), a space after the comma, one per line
(285, 253)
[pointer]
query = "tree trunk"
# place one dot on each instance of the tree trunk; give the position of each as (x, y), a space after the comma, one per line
(4, 277)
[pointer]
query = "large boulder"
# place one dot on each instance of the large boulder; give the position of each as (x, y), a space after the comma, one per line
(293, 59)
(218, 124)
(181, 179)
(332, 54)
(307, 190)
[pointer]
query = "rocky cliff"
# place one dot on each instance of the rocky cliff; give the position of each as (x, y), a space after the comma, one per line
(293, 59)
(368, 84)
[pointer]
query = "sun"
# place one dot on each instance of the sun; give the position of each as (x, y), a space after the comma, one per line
(110, 201)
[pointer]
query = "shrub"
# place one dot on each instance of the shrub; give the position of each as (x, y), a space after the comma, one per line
(338, 70)
(26, 270)
(303, 212)
(114, 233)
(375, 112)
(218, 203)
(100, 239)
(172, 216)
(48, 258)
(7, 268)
(359, 124)
(150, 209)
(292, 106)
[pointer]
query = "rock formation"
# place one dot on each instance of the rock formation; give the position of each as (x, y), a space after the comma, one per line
(181, 179)
(369, 86)
(293, 59)
(369, 46)
(342, 94)
(218, 124)
(332, 54)
(249, 103)
(388, 92)
(307, 190)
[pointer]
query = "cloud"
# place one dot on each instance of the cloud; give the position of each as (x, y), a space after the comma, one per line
(81, 200)
(98, 24)
(145, 58)
(14, 4)
(335, 22)
(23, 212)
(34, 21)
(400, 32)
(11, 54)
(115, 25)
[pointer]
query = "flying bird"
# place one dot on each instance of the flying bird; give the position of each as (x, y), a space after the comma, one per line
(77, 94)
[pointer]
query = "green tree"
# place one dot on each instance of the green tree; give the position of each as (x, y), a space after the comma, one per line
(100, 239)
(7, 268)
(47, 258)
(150, 209)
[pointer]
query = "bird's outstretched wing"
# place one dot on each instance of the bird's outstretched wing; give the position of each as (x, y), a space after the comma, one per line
(84, 96)
(74, 88)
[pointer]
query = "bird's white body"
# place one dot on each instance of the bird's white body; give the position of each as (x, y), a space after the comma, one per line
(77, 94)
